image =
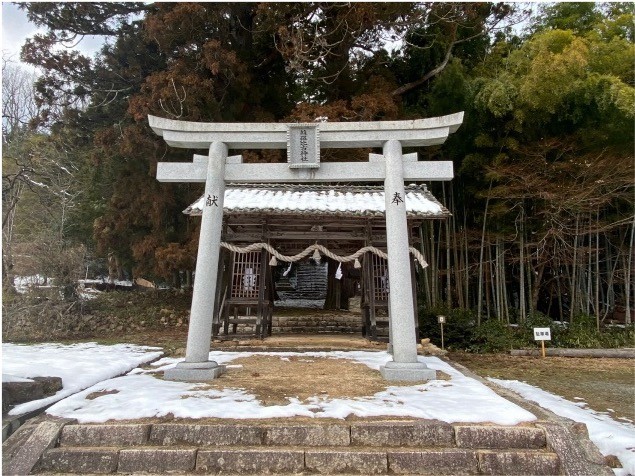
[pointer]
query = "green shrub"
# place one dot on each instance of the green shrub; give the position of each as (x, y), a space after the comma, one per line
(462, 333)
(493, 336)
(457, 330)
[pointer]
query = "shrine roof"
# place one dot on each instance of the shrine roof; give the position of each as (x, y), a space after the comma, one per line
(321, 200)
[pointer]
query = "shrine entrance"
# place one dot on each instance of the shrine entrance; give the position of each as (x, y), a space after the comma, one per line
(303, 143)
(255, 290)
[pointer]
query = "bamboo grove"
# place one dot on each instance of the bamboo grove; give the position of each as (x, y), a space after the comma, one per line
(542, 203)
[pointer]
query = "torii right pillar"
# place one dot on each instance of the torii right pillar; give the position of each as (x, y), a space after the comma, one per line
(401, 312)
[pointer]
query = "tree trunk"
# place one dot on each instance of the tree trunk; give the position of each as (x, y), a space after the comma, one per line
(523, 304)
(597, 271)
(574, 269)
(479, 306)
(629, 277)
(434, 266)
(458, 282)
(425, 274)
(466, 261)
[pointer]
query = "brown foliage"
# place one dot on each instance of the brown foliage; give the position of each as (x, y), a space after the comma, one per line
(172, 258)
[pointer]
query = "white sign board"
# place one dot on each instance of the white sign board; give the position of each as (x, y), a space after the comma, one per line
(303, 146)
(542, 333)
(441, 319)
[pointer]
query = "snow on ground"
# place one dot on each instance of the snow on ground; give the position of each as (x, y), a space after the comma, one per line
(79, 365)
(140, 393)
(12, 378)
(610, 436)
(22, 284)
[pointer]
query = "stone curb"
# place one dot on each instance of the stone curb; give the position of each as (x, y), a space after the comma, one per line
(156, 460)
(333, 461)
(104, 435)
(44, 436)
(568, 439)
(419, 433)
(250, 461)
(405, 434)
(474, 436)
(578, 458)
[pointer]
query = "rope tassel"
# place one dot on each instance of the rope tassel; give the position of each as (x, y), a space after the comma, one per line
(316, 256)
(273, 261)
(357, 264)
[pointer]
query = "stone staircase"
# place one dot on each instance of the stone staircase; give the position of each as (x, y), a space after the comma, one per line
(340, 447)
(318, 322)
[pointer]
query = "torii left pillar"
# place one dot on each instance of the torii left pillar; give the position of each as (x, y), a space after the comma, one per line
(197, 366)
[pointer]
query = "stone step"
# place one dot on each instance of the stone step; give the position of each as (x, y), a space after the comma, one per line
(253, 447)
(299, 460)
(424, 433)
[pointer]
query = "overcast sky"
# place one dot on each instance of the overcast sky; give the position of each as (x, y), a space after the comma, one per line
(16, 29)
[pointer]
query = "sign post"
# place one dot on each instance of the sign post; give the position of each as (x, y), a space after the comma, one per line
(441, 322)
(542, 334)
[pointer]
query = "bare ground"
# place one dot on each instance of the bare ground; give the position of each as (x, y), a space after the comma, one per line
(606, 385)
(273, 380)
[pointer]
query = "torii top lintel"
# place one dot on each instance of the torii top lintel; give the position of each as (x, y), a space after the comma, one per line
(410, 133)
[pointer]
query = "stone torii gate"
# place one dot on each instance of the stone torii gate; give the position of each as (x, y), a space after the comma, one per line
(303, 143)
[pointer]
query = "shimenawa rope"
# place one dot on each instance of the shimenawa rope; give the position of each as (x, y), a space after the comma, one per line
(316, 248)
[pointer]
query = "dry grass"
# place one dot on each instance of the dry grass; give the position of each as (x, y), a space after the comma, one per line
(274, 380)
(606, 385)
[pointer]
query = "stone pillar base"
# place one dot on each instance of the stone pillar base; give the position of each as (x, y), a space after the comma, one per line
(194, 371)
(407, 371)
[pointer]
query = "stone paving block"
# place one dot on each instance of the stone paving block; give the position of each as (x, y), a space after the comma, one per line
(418, 433)
(250, 461)
(80, 460)
(44, 437)
(156, 460)
(329, 461)
(433, 462)
(205, 435)
(519, 462)
(475, 436)
(104, 435)
(308, 435)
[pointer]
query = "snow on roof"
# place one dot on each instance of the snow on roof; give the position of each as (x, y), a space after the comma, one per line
(293, 199)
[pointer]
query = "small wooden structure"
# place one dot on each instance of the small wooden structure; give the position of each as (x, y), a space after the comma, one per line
(248, 298)
(292, 217)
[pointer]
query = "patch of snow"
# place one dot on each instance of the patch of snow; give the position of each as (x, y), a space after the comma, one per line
(610, 436)
(141, 395)
(22, 284)
(79, 365)
(13, 378)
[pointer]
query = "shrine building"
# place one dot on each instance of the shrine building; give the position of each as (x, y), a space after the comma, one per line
(290, 217)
